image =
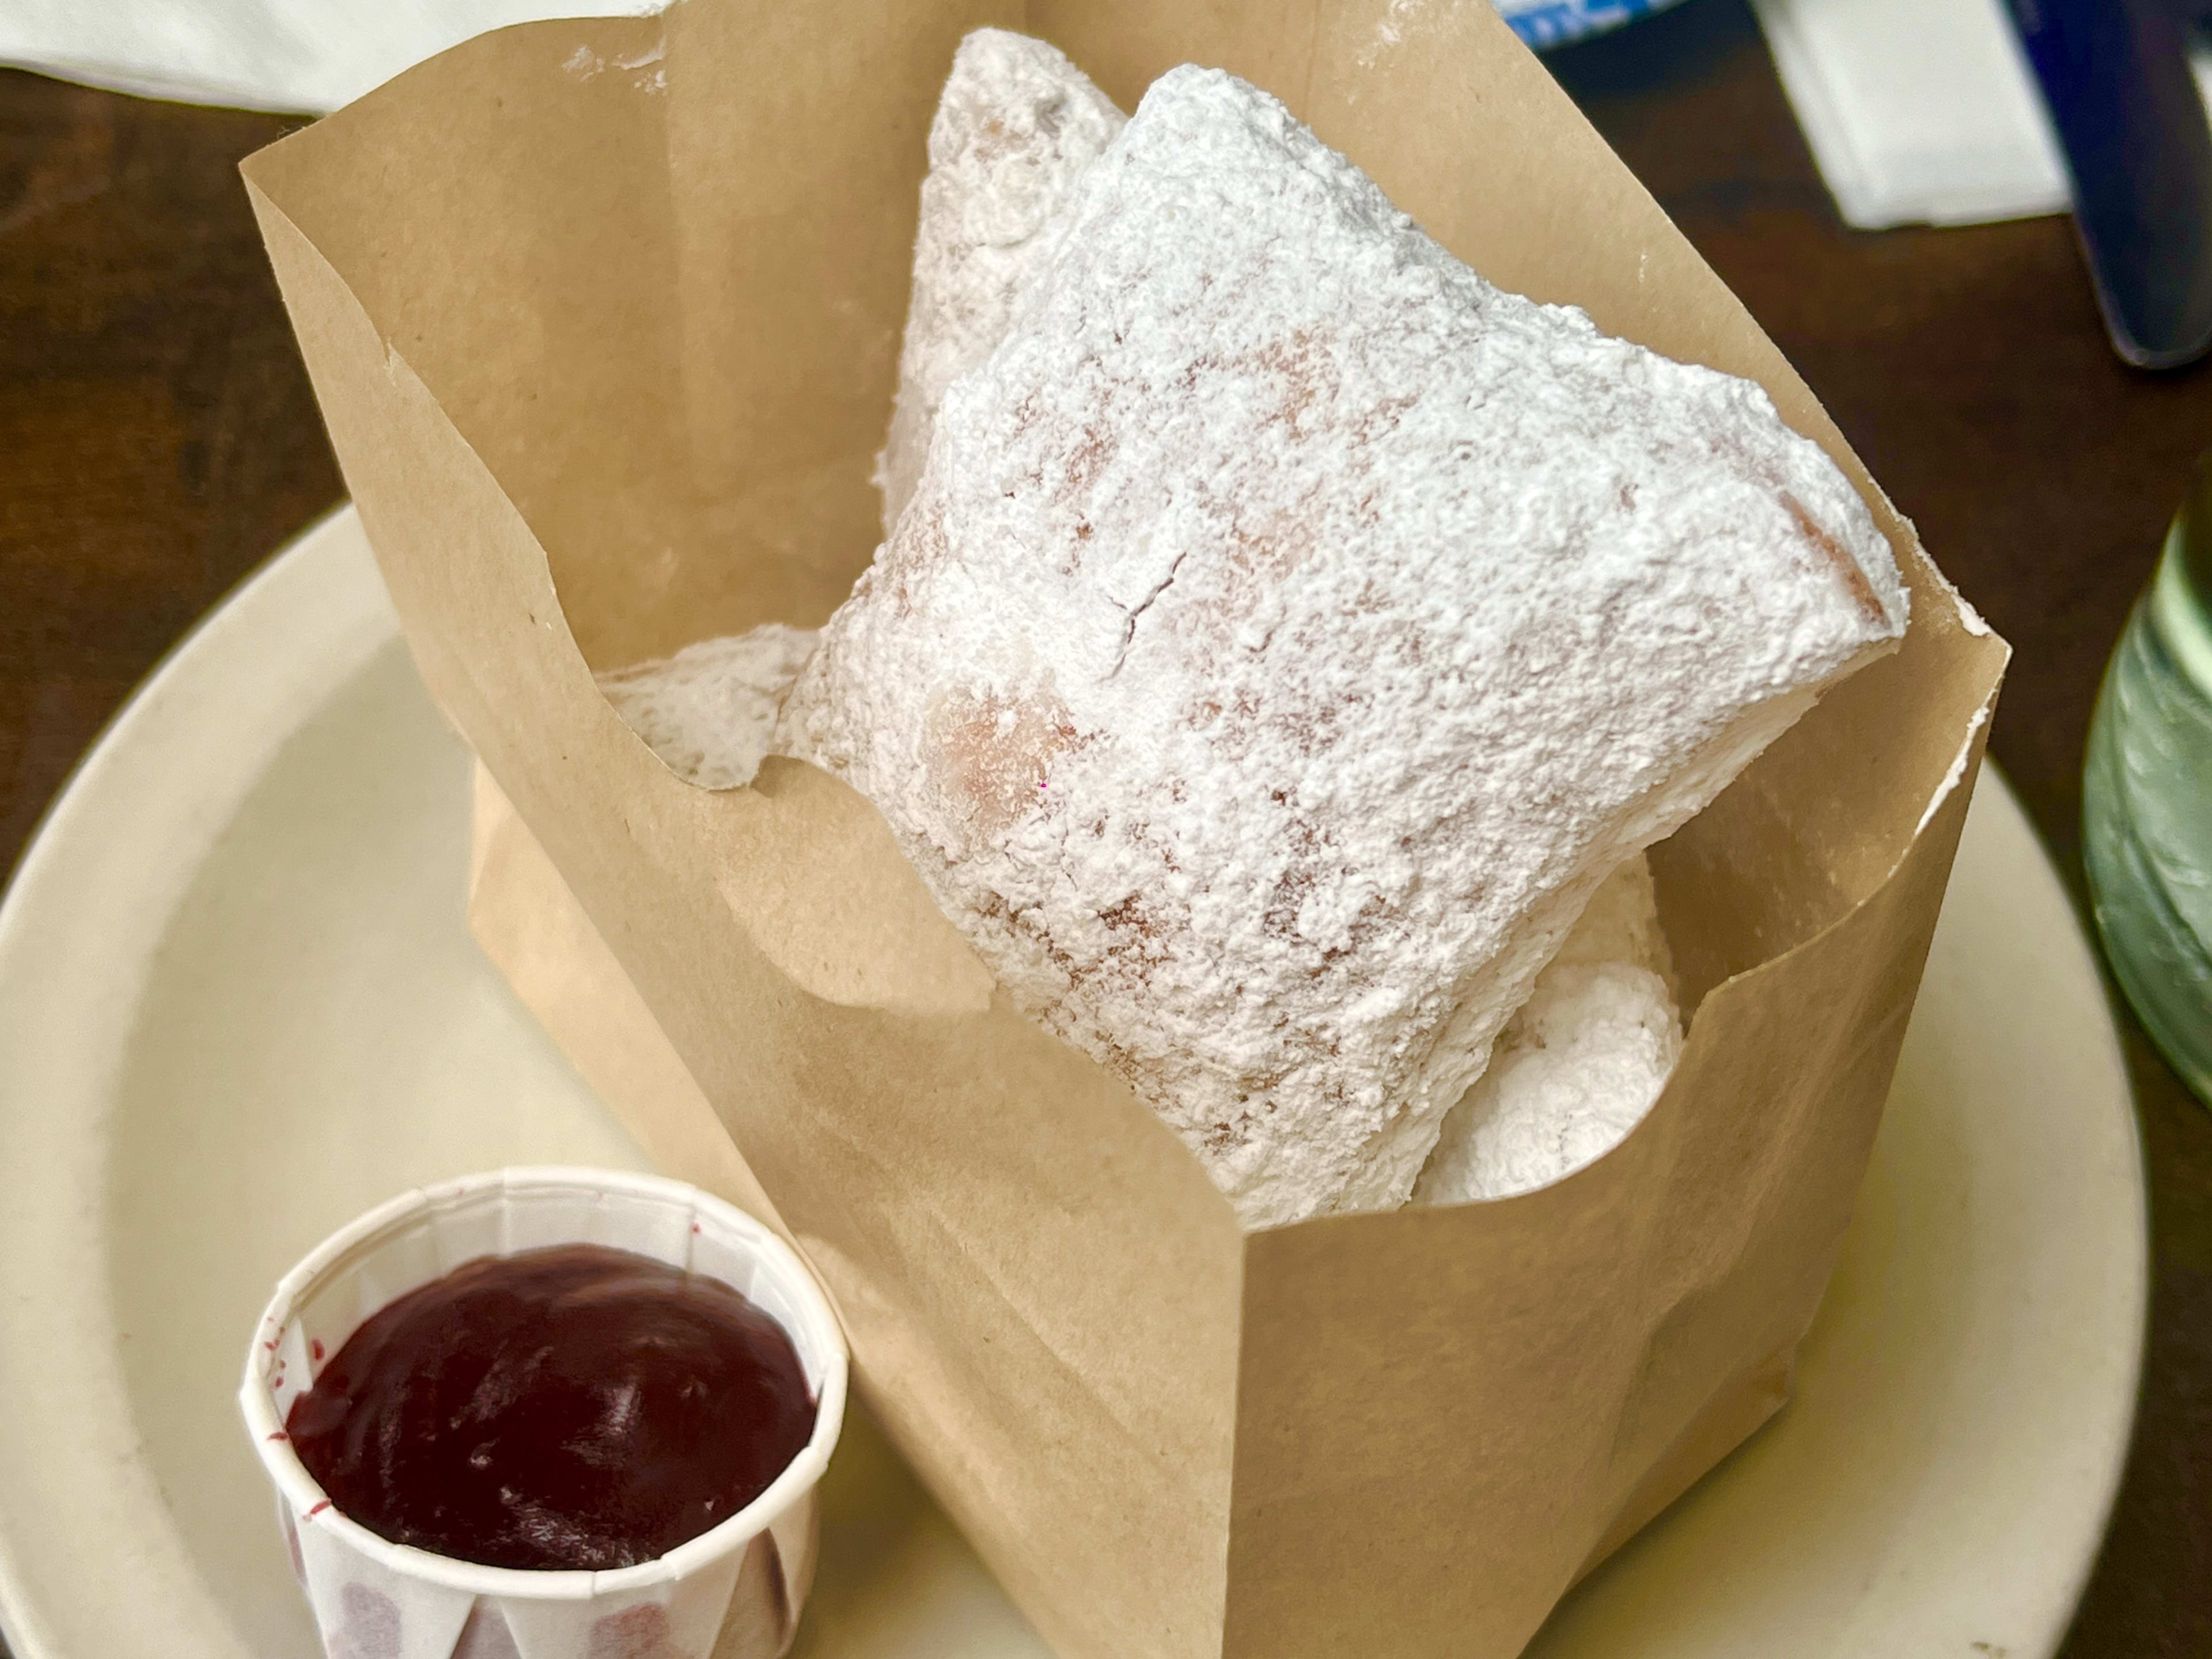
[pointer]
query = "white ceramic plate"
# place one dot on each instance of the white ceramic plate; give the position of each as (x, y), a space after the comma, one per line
(238, 1006)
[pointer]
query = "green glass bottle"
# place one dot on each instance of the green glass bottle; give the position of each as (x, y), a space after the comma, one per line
(2146, 797)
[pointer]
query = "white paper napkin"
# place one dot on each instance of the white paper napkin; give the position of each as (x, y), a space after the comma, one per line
(311, 55)
(1916, 111)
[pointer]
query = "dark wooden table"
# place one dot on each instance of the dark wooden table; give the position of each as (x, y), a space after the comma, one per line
(158, 440)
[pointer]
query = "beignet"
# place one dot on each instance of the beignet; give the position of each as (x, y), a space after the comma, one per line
(1016, 128)
(1291, 629)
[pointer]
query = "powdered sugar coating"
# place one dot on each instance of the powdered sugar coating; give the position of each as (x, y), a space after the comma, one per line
(1016, 128)
(1620, 923)
(1017, 125)
(709, 711)
(1580, 1062)
(1291, 629)
(1576, 1069)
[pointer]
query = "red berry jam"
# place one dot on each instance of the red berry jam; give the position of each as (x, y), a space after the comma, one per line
(570, 1408)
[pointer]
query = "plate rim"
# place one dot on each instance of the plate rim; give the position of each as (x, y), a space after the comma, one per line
(306, 617)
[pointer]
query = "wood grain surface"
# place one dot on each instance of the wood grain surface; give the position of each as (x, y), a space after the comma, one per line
(158, 440)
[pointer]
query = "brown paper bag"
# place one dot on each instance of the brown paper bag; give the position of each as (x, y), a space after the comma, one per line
(603, 317)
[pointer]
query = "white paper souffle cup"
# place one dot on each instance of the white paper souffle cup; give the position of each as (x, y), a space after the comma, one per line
(733, 1592)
